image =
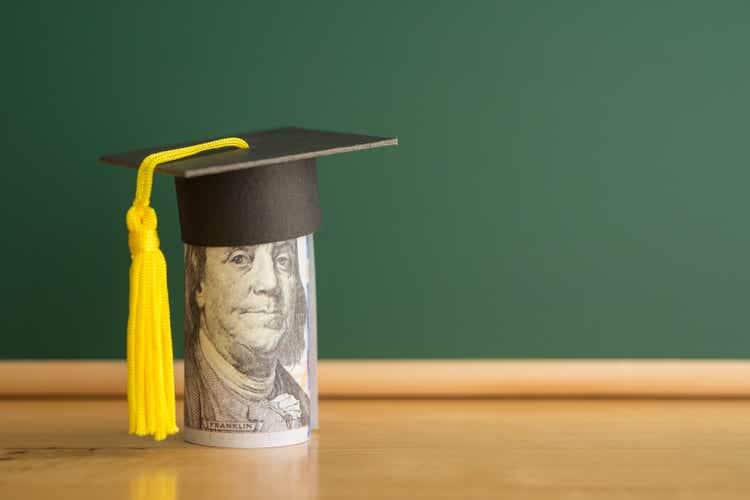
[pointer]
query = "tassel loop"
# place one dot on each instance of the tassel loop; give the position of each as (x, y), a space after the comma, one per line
(151, 399)
(142, 235)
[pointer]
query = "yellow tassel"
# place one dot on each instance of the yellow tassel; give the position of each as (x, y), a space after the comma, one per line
(151, 405)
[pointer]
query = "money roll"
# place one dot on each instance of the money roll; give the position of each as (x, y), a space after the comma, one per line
(247, 343)
(247, 218)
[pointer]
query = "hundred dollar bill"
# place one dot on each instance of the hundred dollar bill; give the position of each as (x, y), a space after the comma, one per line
(248, 329)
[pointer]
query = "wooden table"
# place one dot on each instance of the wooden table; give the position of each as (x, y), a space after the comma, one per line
(514, 449)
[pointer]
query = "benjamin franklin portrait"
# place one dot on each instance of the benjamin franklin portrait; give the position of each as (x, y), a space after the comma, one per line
(245, 316)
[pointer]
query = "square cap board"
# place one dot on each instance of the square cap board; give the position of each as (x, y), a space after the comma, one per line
(225, 200)
(267, 147)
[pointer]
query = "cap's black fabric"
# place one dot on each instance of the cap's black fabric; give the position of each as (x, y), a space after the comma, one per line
(248, 207)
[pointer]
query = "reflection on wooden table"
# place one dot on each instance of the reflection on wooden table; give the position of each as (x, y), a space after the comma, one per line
(527, 449)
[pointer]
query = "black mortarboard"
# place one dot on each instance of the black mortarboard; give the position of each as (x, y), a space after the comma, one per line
(263, 193)
(241, 196)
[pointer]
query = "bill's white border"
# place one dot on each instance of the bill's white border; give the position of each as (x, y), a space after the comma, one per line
(247, 440)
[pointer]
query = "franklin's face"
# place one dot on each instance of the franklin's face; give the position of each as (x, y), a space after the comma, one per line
(248, 299)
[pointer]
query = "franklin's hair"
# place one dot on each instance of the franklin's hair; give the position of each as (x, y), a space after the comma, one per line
(292, 343)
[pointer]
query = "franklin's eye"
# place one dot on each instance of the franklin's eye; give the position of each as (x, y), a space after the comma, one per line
(240, 259)
(283, 262)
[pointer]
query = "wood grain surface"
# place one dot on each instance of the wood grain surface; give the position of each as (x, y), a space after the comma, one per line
(433, 378)
(401, 449)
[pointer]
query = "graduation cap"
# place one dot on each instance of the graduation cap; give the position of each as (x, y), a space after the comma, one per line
(244, 202)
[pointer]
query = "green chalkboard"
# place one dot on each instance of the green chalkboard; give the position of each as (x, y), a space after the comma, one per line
(571, 179)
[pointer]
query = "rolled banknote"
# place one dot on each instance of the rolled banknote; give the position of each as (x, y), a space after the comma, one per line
(249, 322)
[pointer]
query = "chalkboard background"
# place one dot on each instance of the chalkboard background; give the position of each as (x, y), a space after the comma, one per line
(572, 179)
